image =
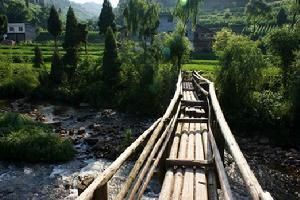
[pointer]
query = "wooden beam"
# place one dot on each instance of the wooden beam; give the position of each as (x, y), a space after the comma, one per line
(147, 149)
(252, 184)
(192, 103)
(192, 120)
(188, 162)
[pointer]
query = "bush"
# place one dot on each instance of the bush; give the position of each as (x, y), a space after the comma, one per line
(21, 138)
(17, 81)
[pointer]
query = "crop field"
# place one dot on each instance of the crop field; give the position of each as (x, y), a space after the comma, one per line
(23, 54)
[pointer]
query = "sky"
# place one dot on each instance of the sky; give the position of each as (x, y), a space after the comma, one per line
(113, 2)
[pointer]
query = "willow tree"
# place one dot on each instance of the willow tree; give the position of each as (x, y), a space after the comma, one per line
(187, 11)
(142, 18)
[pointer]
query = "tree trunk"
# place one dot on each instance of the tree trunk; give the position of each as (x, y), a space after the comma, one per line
(294, 19)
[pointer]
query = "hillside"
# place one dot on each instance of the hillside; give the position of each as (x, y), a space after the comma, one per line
(83, 11)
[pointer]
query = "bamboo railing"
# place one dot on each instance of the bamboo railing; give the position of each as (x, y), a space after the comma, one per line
(252, 184)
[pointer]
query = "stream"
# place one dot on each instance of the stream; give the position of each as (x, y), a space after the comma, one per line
(100, 136)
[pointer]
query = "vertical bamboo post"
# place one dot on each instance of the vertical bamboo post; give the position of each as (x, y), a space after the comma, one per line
(101, 193)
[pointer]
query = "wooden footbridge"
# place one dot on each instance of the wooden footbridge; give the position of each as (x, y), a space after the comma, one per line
(185, 148)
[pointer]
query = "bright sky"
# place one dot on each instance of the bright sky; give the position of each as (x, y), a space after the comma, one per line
(113, 2)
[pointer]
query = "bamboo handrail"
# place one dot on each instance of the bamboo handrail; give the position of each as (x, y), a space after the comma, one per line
(104, 177)
(252, 184)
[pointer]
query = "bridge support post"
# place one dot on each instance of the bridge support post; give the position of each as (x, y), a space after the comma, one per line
(101, 193)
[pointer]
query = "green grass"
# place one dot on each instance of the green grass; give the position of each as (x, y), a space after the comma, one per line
(207, 68)
(23, 139)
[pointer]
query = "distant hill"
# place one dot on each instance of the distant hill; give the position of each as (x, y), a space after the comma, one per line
(209, 4)
(83, 11)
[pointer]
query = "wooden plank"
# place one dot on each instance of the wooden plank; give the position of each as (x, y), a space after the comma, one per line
(103, 178)
(159, 156)
(167, 187)
(193, 120)
(200, 177)
(253, 186)
(192, 103)
(188, 162)
(188, 182)
(143, 156)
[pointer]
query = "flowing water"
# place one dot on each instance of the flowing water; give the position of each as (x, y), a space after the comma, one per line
(22, 180)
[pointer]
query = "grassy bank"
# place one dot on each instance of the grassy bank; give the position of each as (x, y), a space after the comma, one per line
(23, 139)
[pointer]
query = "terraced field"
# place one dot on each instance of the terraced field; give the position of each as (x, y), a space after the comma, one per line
(23, 54)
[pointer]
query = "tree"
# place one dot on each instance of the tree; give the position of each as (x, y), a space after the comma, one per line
(142, 18)
(296, 90)
(187, 11)
(111, 64)
(283, 42)
(281, 17)
(54, 25)
(56, 73)
(82, 35)
(71, 43)
(241, 61)
(3, 26)
(16, 12)
(38, 60)
(106, 18)
(295, 9)
(179, 45)
(256, 9)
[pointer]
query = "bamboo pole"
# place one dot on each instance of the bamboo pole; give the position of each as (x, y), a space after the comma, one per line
(252, 184)
(162, 150)
(135, 170)
(104, 177)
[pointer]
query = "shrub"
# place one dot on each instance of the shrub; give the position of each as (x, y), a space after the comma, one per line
(21, 138)
(17, 81)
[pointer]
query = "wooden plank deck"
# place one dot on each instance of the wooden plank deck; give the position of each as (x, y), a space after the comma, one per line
(190, 143)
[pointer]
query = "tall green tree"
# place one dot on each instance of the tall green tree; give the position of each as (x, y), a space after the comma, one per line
(283, 42)
(71, 43)
(56, 73)
(142, 18)
(111, 64)
(106, 18)
(3, 26)
(281, 17)
(295, 10)
(256, 10)
(82, 32)
(16, 12)
(54, 24)
(38, 60)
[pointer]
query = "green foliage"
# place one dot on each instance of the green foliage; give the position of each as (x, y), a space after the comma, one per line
(3, 26)
(71, 44)
(17, 81)
(16, 12)
(241, 61)
(23, 139)
(283, 42)
(38, 60)
(296, 90)
(282, 17)
(142, 18)
(106, 18)
(54, 24)
(187, 10)
(111, 64)
(179, 45)
(56, 73)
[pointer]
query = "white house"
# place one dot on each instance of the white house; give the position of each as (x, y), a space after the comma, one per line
(21, 32)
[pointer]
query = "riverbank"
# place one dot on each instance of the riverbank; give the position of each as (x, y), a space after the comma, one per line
(99, 136)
